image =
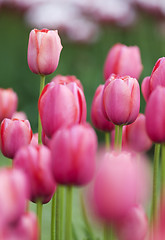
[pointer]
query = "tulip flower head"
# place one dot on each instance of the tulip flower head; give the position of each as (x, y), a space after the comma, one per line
(97, 115)
(8, 103)
(61, 105)
(44, 50)
(73, 154)
(155, 115)
(122, 61)
(121, 99)
(35, 161)
(14, 134)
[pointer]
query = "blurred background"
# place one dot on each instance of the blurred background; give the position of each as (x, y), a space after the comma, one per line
(88, 29)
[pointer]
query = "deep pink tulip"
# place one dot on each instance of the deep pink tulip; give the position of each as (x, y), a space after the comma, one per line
(121, 99)
(14, 192)
(73, 154)
(122, 61)
(98, 119)
(8, 103)
(155, 115)
(134, 224)
(118, 186)
(61, 106)
(14, 134)
(135, 135)
(25, 229)
(44, 50)
(36, 163)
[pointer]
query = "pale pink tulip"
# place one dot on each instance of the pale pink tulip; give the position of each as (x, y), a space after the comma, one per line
(8, 103)
(122, 61)
(44, 50)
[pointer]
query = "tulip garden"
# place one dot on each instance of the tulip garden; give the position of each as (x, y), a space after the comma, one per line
(84, 159)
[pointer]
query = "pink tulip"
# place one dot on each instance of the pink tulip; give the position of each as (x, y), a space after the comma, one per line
(73, 155)
(61, 106)
(64, 80)
(155, 115)
(156, 78)
(122, 61)
(36, 163)
(136, 136)
(14, 192)
(8, 103)
(121, 99)
(118, 186)
(146, 88)
(43, 51)
(134, 224)
(97, 116)
(19, 115)
(14, 134)
(25, 229)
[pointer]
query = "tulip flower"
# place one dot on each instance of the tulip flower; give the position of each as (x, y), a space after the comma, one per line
(146, 87)
(64, 80)
(61, 105)
(14, 192)
(19, 115)
(14, 134)
(155, 115)
(97, 115)
(121, 99)
(73, 155)
(35, 161)
(122, 61)
(8, 103)
(119, 184)
(25, 229)
(135, 135)
(134, 224)
(44, 50)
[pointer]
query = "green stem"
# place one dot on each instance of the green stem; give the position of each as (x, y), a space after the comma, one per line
(57, 233)
(68, 220)
(53, 219)
(85, 218)
(39, 216)
(120, 137)
(155, 181)
(42, 84)
(162, 174)
(61, 210)
(105, 232)
(107, 140)
(116, 135)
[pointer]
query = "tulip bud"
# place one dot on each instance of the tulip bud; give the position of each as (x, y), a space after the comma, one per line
(36, 163)
(97, 116)
(14, 192)
(146, 88)
(61, 106)
(135, 135)
(8, 103)
(121, 99)
(155, 115)
(122, 61)
(73, 154)
(14, 134)
(43, 51)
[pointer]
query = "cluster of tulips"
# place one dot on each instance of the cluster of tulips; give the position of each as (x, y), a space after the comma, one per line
(63, 152)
